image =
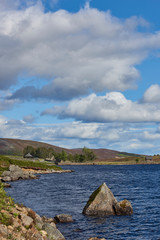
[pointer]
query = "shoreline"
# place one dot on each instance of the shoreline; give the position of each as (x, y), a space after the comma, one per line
(108, 163)
(21, 222)
(48, 171)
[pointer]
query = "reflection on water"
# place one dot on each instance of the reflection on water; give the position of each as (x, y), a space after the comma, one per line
(68, 193)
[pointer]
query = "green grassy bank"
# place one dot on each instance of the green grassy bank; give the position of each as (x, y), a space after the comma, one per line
(5, 162)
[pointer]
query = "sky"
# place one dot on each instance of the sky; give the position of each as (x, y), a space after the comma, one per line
(81, 73)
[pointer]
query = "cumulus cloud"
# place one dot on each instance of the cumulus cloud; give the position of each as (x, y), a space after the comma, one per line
(113, 107)
(152, 94)
(77, 52)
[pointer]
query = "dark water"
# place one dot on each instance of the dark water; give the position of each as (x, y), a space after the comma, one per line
(68, 193)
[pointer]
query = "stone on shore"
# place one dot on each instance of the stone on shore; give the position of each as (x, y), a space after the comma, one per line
(26, 220)
(52, 232)
(103, 203)
(25, 224)
(63, 218)
(16, 173)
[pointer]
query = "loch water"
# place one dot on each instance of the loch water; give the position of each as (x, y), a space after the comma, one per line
(68, 193)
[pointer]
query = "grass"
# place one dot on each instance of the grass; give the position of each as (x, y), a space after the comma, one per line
(125, 161)
(5, 162)
(6, 203)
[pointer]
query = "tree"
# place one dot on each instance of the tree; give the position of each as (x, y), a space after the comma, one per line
(64, 156)
(89, 154)
(29, 149)
(70, 157)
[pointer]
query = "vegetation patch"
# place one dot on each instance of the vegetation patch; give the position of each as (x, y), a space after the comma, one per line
(93, 195)
(6, 204)
(42, 152)
(123, 204)
(5, 162)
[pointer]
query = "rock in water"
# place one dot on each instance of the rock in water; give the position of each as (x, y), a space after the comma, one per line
(124, 208)
(103, 203)
(95, 238)
(63, 218)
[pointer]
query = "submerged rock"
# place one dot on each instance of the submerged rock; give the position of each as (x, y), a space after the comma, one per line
(63, 218)
(95, 238)
(103, 203)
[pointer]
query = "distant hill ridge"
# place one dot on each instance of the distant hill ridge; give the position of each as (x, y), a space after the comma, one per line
(10, 146)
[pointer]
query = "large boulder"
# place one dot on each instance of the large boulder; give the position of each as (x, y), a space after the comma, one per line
(13, 174)
(52, 232)
(103, 203)
(16, 173)
(14, 168)
(26, 220)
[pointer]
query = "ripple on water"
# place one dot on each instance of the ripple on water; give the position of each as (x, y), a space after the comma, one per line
(68, 193)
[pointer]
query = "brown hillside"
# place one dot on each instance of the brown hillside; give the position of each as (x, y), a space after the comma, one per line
(16, 146)
(102, 154)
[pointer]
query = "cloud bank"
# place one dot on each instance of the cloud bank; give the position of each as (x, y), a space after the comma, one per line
(123, 136)
(77, 52)
(113, 107)
(87, 58)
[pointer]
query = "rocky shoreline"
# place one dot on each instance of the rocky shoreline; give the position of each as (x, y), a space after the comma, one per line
(15, 173)
(23, 223)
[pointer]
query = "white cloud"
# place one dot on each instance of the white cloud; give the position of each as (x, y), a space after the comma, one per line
(15, 122)
(152, 94)
(3, 120)
(139, 145)
(151, 136)
(113, 107)
(137, 138)
(87, 50)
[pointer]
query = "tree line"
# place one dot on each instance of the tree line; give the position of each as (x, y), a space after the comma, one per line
(87, 154)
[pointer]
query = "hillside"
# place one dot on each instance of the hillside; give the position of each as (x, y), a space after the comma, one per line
(16, 146)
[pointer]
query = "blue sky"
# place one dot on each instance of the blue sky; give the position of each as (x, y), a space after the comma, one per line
(81, 73)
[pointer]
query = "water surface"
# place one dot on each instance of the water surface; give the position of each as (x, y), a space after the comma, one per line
(68, 193)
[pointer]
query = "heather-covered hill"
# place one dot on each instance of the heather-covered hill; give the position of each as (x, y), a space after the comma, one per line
(16, 146)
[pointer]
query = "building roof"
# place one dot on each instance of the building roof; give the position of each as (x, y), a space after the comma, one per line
(28, 155)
